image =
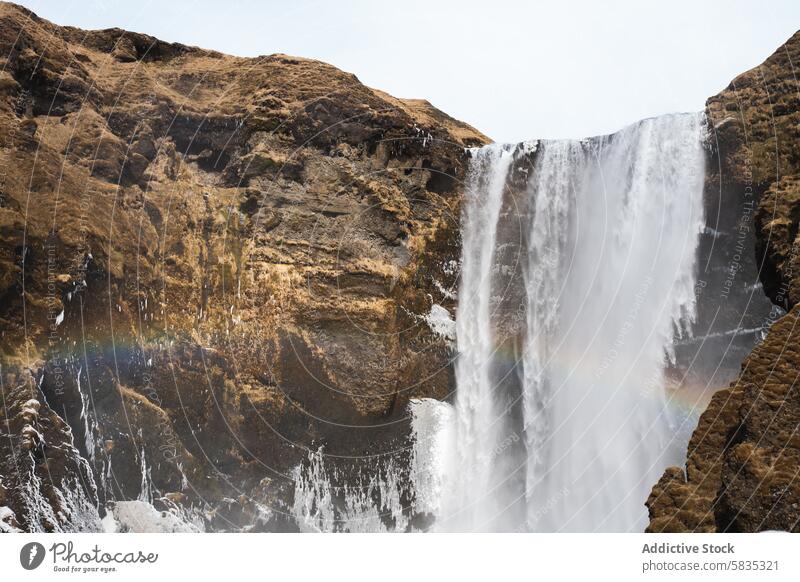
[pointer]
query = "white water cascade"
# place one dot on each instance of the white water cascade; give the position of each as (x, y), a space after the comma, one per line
(578, 273)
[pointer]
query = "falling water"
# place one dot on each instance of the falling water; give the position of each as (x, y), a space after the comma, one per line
(478, 415)
(577, 275)
(561, 418)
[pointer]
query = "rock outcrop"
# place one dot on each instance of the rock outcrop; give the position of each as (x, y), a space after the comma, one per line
(209, 266)
(742, 472)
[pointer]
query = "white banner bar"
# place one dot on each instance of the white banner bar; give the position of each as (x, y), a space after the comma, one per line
(390, 557)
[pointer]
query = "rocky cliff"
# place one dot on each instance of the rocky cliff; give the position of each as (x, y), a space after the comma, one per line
(210, 266)
(743, 462)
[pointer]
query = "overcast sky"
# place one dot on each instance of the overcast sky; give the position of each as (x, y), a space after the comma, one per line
(514, 70)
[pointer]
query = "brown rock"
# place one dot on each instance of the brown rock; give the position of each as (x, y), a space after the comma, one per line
(242, 250)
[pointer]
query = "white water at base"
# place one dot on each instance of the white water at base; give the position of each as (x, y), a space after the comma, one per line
(367, 500)
(608, 270)
(431, 427)
(561, 420)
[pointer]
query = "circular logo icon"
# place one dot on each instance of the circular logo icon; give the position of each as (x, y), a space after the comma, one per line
(31, 555)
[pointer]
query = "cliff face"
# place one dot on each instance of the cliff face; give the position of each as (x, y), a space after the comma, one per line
(209, 266)
(743, 461)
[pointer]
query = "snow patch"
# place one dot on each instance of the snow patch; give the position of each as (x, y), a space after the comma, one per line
(441, 322)
(142, 517)
(7, 520)
(447, 293)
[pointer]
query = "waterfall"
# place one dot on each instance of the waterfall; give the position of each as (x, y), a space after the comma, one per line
(478, 417)
(577, 275)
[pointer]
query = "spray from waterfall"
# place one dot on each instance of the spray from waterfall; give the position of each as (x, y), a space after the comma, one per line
(562, 422)
(577, 274)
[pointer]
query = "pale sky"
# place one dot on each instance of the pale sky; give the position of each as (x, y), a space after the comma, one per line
(514, 70)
